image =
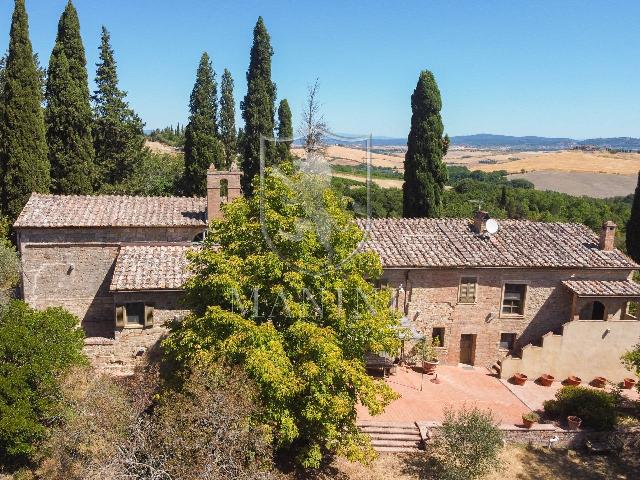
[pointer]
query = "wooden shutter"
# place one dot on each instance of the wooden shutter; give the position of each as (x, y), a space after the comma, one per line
(148, 315)
(120, 316)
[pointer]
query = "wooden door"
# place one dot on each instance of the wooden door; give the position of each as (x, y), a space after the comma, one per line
(467, 348)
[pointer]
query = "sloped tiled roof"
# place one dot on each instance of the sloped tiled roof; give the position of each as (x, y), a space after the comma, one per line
(150, 267)
(406, 243)
(603, 288)
(111, 211)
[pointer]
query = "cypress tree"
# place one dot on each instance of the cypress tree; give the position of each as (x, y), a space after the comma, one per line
(425, 174)
(118, 136)
(68, 114)
(228, 133)
(24, 162)
(633, 226)
(503, 197)
(202, 147)
(258, 107)
(285, 130)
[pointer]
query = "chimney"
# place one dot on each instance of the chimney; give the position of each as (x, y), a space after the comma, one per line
(480, 221)
(223, 186)
(607, 236)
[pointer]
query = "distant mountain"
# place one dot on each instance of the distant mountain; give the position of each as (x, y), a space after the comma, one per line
(487, 140)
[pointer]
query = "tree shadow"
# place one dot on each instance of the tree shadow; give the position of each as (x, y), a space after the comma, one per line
(567, 464)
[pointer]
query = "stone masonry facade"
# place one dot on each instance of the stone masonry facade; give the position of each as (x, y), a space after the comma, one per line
(119, 263)
(429, 297)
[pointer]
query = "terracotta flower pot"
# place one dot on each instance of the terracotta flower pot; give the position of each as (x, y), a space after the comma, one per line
(629, 383)
(574, 422)
(519, 378)
(430, 366)
(527, 423)
(546, 380)
(599, 382)
(573, 380)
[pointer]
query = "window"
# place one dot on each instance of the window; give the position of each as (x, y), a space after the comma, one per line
(224, 188)
(513, 300)
(438, 333)
(507, 341)
(199, 238)
(135, 313)
(467, 292)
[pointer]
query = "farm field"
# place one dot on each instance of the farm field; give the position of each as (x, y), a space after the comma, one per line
(576, 172)
(597, 185)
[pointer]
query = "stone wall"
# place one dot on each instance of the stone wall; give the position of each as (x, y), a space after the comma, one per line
(541, 434)
(72, 267)
(130, 346)
(430, 299)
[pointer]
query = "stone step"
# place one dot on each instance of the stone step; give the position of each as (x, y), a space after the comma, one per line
(373, 423)
(388, 430)
(396, 450)
(405, 437)
(378, 442)
(388, 437)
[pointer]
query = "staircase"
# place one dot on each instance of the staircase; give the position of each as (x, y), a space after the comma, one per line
(392, 437)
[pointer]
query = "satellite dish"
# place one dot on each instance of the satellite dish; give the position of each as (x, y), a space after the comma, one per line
(492, 226)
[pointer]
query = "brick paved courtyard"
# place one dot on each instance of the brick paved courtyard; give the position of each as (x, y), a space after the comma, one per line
(457, 386)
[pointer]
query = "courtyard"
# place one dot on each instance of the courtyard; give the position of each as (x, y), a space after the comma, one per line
(427, 397)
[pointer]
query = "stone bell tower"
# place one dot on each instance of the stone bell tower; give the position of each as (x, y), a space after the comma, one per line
(223, 186)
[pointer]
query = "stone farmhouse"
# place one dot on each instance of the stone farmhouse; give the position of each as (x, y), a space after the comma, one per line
(533, 297)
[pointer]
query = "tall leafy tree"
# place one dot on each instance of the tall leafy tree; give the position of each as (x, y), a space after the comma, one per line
(228, 134)
(258, 107)
(425, 174)
(633, 226)
(118, 136)
(201, 144)
(298, 322)
(68, 114)
(23, 162)
(285, 130)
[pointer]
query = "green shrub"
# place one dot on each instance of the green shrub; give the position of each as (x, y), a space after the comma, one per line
(467, 447)
(595, 407)
(35, 348)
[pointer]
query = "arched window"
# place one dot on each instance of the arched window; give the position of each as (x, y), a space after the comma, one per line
(593, 311)
(224, 189)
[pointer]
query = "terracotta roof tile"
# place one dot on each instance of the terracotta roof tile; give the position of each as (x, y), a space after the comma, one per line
(603, 288)
(447, 242)
(150, 267)
(111, 211)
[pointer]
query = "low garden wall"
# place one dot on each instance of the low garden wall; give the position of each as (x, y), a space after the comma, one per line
(541, 434)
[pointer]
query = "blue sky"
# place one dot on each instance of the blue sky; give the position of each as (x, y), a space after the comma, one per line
(569, 68)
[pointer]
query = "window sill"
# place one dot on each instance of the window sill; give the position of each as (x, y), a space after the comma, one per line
(467, 303)
(511, 315)
(133, 327)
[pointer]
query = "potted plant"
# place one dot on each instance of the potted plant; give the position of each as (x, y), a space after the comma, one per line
(546, 380)
(629, 383)
(519, 378)
(424, 352)
(528, 419)
(573, 380)
(574, 422)
(599, 382)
